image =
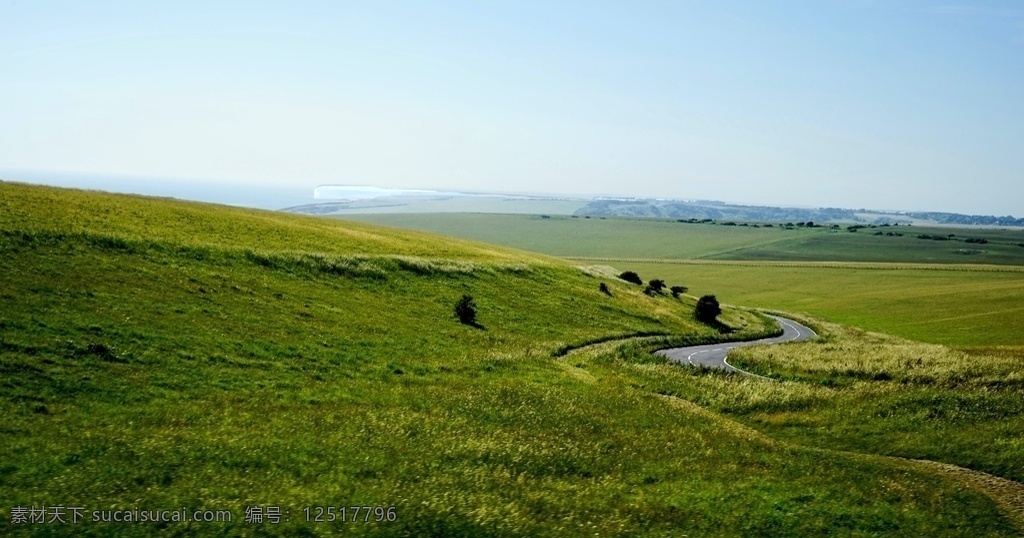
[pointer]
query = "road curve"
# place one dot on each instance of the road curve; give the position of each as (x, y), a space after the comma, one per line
(715, 355)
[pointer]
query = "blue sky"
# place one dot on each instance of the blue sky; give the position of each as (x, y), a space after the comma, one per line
(887, 105)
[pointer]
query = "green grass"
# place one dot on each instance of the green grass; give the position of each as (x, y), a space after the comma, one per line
(457, 204)
(567, 236)
(871, 393)
(945, 305)
(27, 209)
(670, 240)
(161, 354)
(1003, 246)
(910, 287)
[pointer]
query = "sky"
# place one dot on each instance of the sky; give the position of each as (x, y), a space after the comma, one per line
(915, 105)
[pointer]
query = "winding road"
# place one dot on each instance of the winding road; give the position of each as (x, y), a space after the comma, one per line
(716, 355)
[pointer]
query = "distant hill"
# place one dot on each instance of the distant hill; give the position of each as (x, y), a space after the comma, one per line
(678, 209)
(336, 200)
(707, 209)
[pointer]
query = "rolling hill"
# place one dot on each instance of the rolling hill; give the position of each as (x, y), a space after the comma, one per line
(164, 355)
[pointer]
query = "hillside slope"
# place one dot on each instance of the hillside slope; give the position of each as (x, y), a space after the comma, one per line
(158, 354)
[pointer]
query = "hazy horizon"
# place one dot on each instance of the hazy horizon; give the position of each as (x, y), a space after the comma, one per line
(844, 103)
(284, 197)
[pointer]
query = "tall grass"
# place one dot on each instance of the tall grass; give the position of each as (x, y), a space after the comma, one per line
(162, 354)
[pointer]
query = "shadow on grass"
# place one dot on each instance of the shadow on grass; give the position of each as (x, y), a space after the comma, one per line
(718, 326)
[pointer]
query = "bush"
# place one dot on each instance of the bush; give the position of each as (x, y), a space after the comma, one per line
(605, 290)
(632, 278)
(707, 309)
(678, 290)
(465, 310)
(654, 287)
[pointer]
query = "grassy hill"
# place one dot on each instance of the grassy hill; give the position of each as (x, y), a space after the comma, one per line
(158, 354)
(923, 289)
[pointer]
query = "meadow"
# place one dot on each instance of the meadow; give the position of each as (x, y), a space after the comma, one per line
(853, 392)
(957, 306)
(903, 286)
(565, 236)
(161, 354)
(656, 239)
(920, 358)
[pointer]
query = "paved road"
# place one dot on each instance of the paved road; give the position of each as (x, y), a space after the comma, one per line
(714, 355)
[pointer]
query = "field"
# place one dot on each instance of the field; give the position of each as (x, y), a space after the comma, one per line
(453, 204)
(581, 237)
(630, 238)
(878, 283)
(160, 354)
(868, 393)
(939, 378)
(958, 306)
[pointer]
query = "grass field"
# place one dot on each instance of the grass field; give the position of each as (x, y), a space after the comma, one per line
(567, 236)
(900, 285)
(458, 204)
(160, 354)
(953, 306)
(668, 239)
(872, 245)
(950, 394)
(867, 393)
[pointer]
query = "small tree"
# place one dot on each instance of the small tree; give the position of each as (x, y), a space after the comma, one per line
(605, 290)
(657, 284)
(631, 277)
(465, 310)
(707, 309)
(678, 290)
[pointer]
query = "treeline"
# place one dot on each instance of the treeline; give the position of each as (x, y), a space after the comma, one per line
(708, 209)
(711, 210)
(957, 218)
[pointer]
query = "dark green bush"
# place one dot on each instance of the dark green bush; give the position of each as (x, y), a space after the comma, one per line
(465, 310)
(707, 309)
(632, 278)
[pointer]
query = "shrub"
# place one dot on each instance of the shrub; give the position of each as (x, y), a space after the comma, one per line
(707, 309)
(465, 310)
(678, 290)
(631, 277)
(656, 284)
(605, 290)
